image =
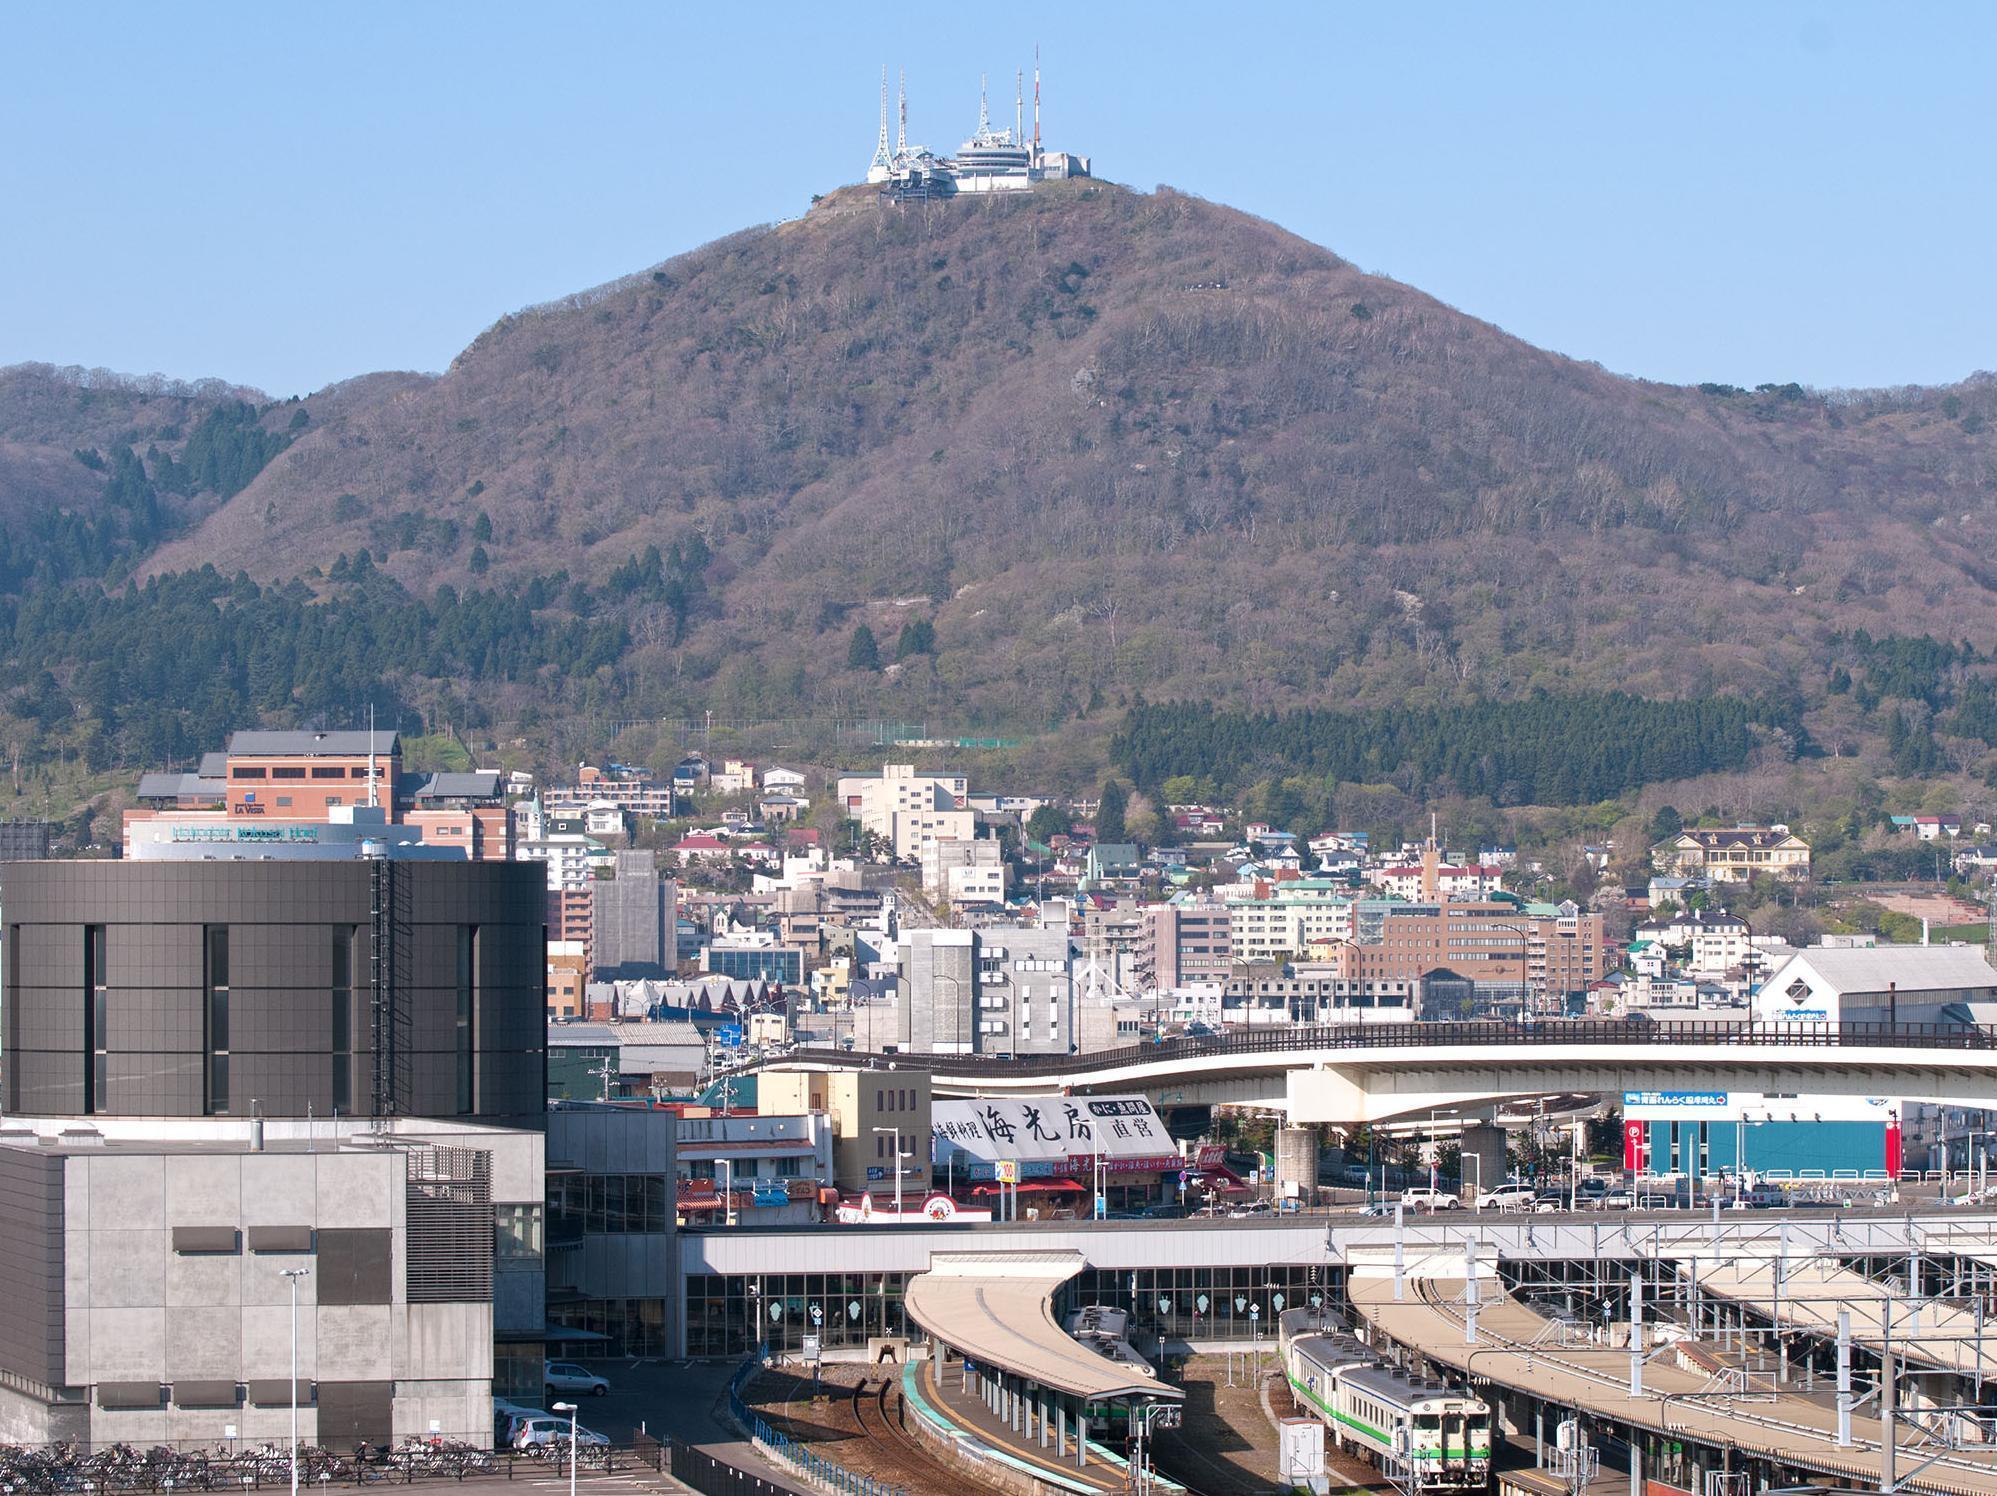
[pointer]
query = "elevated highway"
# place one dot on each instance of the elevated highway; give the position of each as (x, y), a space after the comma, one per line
(1377, 1072)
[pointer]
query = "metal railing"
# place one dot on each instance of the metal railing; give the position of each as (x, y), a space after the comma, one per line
(1493, 1033)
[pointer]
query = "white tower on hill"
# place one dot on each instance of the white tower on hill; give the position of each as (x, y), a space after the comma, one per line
(882, 166)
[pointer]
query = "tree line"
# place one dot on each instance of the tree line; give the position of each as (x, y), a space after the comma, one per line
(1542, 750)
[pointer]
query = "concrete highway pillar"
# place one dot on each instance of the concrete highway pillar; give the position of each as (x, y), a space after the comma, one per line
(1296, 1163)
(1081, 1438)
(1060, 1426)
(1485, 1142)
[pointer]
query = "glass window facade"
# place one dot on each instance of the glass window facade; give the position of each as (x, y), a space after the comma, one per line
(613, 1204)
(629, 1327)
(735, 1316)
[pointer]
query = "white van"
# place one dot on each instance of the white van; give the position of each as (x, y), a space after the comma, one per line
(1507, 1197)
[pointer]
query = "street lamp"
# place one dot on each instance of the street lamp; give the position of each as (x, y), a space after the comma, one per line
(898, 1156)
(727, 1191)
(570, 1409)
(293, 1274)
(1525, 956)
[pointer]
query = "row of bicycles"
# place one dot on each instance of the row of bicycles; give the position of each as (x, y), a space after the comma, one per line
(65, 1470)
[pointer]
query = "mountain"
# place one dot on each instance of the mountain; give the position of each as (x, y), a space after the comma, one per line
(1057, 450)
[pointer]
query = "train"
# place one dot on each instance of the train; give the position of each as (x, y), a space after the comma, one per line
(1438, 1440)
(1107, 1332)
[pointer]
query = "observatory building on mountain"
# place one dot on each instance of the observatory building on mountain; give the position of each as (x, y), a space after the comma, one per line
(990, 161)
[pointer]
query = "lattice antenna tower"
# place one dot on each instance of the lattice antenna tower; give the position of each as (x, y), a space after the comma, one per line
(881, 159)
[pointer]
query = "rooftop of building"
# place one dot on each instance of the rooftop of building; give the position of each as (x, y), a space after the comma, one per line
(1909, 968)
(383, 743)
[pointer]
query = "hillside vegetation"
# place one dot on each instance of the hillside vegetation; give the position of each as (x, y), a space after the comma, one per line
(1055, 454)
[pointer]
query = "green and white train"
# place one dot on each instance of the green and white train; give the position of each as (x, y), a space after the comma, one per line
(1432, 1439)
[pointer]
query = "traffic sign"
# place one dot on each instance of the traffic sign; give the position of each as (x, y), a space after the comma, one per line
(1008, 1170)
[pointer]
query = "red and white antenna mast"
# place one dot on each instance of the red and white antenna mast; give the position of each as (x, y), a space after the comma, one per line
(1036, 103)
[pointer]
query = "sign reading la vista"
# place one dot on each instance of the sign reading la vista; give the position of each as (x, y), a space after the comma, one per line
(1050, 1133)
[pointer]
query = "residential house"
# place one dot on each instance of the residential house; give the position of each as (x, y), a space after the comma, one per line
(1734, 854)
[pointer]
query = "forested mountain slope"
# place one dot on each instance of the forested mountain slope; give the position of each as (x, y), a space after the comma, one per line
(1056, 452)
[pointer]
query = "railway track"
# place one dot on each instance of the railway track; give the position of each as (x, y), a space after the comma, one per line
(919, 1469)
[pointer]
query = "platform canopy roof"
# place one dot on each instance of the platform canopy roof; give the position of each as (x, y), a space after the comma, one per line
(997, 1308)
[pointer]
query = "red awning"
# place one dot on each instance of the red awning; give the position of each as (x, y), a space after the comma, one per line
(1036, 1187)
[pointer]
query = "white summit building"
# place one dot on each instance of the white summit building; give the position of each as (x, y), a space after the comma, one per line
(990, 161)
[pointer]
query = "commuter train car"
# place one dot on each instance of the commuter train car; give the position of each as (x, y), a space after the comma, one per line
(1440, 1439)
(1107, 1332)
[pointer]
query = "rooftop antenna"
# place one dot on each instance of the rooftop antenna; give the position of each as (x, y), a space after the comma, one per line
(1036, 102)
(1018, 108)
(373, 799)
(984, 114)
(901, 139)
(881, 161)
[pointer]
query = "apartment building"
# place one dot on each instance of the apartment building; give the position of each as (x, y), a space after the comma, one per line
(874, 1113)
(1184, 945)
(1535, 952)
(1287, 919)
(964, 872)
(906, 808)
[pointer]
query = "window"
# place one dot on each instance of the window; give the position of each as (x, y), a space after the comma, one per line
(343, 1018)
(297, 772)
(216, 940)
(467, 1005)
(283, 800)
(333, 773)
(241, 772)
(96, 1025)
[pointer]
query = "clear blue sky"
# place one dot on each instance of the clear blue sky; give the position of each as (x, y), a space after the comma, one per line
(290, 195)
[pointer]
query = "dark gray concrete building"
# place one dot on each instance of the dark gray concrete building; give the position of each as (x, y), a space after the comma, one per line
(224, 1079)
(356, 987)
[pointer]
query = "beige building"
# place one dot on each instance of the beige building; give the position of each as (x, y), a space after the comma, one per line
(873, 1112)
(1293, 917)
(907, 809)
(1734, 854)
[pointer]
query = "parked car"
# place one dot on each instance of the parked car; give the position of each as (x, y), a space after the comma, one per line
(1247, 1209)
(533, 1433)
(1377, 1208)
(567, 1379)
(1612, 1200)
(1163, 1212)
(1508, 1197)
(1420, 1197)
(1546, 1202)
